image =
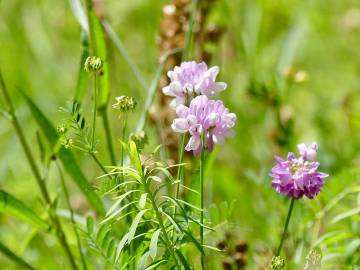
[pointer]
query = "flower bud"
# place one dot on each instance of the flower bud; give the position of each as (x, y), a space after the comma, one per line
(61, 129)
(140, 138)
(67, 143)
(93, 64)
(277, 263)
(125, 104)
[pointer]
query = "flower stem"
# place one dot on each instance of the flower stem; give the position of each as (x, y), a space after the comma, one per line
(286, 226)
(40, 181)
(202, 161)
(110, 146)
(94, 112)
(181, 159)
(123, 134)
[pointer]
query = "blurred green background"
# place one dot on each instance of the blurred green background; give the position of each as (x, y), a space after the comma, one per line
(292, 69)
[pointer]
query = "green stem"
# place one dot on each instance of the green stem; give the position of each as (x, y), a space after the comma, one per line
(110, 146)
(181, 159)
(94, 113)
(202, 163)
(286, 226)
(54, 219)
(72, 219)
(99, 163)
(123, 134)
(167, 241)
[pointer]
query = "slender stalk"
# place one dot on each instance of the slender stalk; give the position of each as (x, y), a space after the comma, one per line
(72, 219)
(286, 226)
(110, 146)
(123, 134)
(181, 159)
(94, 112)
(54, 219)
(202, 161)
(167, 241)
(98, 163)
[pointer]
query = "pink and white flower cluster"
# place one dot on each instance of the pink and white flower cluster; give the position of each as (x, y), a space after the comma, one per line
(207, 121)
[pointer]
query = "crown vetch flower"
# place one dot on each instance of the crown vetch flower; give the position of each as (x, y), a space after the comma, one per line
(192, 79)
(207, 121)
(298, 176)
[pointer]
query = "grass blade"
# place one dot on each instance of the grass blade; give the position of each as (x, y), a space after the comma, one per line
(12, 206)
(15, 258)
(98, 45)
(83, 77)
(122, 50)
(66, 157)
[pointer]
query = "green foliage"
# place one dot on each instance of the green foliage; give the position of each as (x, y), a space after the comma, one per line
(12, 206)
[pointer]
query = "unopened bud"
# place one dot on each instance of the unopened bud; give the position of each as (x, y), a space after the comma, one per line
(125, 104)
(277, 263)
(93, 64)
(140, 138)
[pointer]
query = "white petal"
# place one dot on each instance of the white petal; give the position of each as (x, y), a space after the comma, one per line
(180, 125)
(193, 143)
(192, 120)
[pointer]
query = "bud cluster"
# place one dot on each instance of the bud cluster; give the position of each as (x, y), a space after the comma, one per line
(125, 104)
(93, 64)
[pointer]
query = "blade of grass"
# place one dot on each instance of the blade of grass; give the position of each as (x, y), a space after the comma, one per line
(83, 77)
(124, 53)
(12, 206)
(67, 158)
(15, 258)
(99, 49)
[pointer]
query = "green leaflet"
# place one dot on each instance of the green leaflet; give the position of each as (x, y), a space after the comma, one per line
(67, 158)
(15, 258)
(12, 206)
(134, 156)
(154, 243)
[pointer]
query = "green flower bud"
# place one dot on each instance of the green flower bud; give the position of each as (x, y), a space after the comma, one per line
(61, 129)
(140, 138)
(125, 104)
(277, 263)
(67, 143)
(93, 64)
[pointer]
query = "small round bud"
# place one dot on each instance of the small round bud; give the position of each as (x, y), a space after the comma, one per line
(125, 104)
(277, 263)
(61, 129)
(93, 64)
(140, 138)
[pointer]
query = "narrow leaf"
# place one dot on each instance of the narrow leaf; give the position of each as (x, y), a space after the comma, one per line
(134, 156)
(153, 243)
(83, 77)
(135, 224)
(156, 264)
(100, 50)
(12, 206)
(120, 246)
(142, 200)
(15, 258)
